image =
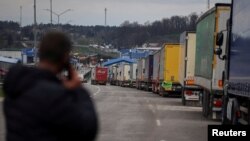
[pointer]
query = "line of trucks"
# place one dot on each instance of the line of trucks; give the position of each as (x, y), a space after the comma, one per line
(210, 66)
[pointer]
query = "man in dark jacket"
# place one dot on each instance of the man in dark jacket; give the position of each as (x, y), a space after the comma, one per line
(40, 105)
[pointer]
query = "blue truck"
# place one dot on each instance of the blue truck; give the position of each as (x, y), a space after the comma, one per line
(236, 99)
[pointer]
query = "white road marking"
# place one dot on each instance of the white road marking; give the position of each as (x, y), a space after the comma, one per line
(126, 92)
(158, 122)
(152, 108)
(178, 108)
(98, 90)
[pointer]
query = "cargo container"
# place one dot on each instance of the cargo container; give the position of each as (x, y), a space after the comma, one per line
(168, 73)
(113, 72)
(145, 73)
(147, 80)
(190, 92)
(236, 99)
(156, 69)
(124, 75)
(141, 74)
(208, 67)
(99, 76)
(133, 74)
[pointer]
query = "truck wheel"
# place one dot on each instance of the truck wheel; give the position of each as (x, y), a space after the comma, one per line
(183, 100)
(147, 87)
(205, 103)
(235, 110)
(225, 121)
(153, 88)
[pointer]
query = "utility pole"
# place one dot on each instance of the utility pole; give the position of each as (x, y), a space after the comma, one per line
(51, 18)
(21, 14)
(105, 16)
(35, 33)
(20, 24)
(58, 15)
(208, 4)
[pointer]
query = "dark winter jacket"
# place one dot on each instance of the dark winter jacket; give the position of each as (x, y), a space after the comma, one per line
(38, 108)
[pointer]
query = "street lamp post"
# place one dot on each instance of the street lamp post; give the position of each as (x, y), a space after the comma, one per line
(58, 15)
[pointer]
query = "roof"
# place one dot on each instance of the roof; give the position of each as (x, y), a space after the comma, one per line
(8, 60)
(118, 60)
(30, 52)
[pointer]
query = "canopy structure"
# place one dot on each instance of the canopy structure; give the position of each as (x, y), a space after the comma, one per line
(118, 60)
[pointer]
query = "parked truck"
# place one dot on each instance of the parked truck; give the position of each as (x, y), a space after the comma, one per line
(190, 92)
(156, 69)
(141, 74)
(113, 72)
(209, 68)
(133, 74)
(168, 71)
(99, 76)
(236, 101)
(147, 80)
(124, 74)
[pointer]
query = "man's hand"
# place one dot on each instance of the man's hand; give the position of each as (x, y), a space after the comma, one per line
(74, 81)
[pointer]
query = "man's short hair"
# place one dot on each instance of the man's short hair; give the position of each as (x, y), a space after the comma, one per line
(54, 46)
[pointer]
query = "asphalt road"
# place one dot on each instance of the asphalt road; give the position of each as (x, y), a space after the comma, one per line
(127, 114)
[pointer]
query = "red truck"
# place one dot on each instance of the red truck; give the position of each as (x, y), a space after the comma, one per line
(99, 76)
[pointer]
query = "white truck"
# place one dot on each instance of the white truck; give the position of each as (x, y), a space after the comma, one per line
(190, 92)
(133, 73)
(209, 68)
(124, 74)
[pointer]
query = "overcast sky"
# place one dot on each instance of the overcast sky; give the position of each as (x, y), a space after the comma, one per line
(91, 12)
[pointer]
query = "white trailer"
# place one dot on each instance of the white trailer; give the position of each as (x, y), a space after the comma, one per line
(190, 92)
(124, 78)
(133, 73)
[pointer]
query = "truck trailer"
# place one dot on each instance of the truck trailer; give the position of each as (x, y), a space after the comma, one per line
(209, 68)
(141, 74)
(167, 74)
(124, 78)
(133, 73)
(99, 76)
(236, 101)
(156, 69)
(149, 60)
(190, 92)
(113, 72)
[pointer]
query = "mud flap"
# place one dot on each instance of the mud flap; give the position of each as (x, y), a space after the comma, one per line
(229, 109)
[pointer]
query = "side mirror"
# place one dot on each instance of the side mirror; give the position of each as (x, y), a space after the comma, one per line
(219, 39)
(218, 51)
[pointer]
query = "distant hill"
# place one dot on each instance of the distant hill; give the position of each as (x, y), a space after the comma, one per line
(127, 35)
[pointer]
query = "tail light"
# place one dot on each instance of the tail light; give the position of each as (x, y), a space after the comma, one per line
(218, 103)
(220, 83)
(189, 93)
(238, 114)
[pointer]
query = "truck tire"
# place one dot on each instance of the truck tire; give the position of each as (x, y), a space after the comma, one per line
(225, 121)
(183, 100)
(234, 112)
(146, 87)
(205, 103)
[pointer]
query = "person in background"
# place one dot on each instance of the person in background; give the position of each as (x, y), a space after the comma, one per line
(40, 105)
